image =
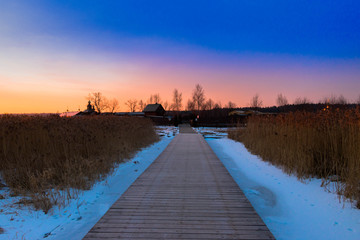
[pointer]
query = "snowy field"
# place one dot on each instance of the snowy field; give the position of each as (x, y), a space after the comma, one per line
(290, 208)
(75, 220)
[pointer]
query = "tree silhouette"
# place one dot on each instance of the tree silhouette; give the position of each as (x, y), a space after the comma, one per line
(166, 105)
(154, 98)
(198, 97)
(342, 100)
(190, 106)
(281, 100)
(113, 105)
(209, 105)
(256, 102)
(131, 103)
(299, 101)
(333, 99)
(218, 105)
(231, 105)
(142, 105)
(177, 100)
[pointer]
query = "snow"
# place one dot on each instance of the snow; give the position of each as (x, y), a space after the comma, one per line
(167, 131)
(79, 216)
(211, 132)
(290, 208)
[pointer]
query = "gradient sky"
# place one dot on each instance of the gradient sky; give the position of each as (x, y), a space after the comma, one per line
(54, 53)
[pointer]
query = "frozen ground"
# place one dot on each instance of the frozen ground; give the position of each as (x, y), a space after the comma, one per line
(290, 208)
(167, 131)
(75, 220)
(212, 133)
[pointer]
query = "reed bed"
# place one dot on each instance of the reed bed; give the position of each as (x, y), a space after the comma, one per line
(49, 159)
(325, 144)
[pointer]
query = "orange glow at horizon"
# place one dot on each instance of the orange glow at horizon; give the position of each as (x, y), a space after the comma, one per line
(36, 86)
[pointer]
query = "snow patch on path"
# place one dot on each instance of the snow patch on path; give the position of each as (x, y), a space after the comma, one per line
(290, 208)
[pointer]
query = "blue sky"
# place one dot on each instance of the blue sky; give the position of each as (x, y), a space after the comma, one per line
(311, 28)
(302, 41)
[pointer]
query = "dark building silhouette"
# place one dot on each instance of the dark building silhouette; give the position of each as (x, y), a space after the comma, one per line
(154, 110)
(90, 110)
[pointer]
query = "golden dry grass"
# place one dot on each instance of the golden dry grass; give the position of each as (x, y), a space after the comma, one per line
(324, 144)
(51, 158)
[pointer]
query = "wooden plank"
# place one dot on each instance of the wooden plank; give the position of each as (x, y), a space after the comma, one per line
(180, 218)
(164, 229)
(180, 225)
(171, 235)
(192, 221)
(186, 193)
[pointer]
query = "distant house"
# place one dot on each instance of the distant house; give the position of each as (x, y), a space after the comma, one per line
(69, 114)
(132, 114)
(154, 110)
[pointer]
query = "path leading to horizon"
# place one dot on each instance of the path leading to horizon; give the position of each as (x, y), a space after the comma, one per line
(186, 193)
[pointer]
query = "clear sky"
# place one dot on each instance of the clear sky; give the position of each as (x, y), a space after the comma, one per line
(54, 53)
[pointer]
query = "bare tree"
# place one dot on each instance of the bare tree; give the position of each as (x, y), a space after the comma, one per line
(358, 100)
(154, 98)
(281, 100)
(329, 100)
(256, 102)
(299, 101)
(157, 98)
(198, 96)
(100, 102)
(333, 99)
(341, 100)
(150, 100)
(218, 105)
(231, 105)
(131, 103)
(190, 105)
(142, 105)
(209, 104)
(113, 105)
(166, 105)
(177, 100)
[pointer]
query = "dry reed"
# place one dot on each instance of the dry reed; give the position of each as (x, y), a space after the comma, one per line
(324, 144)
(51, 158)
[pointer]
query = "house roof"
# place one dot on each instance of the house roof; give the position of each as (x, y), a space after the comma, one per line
(139, 114)
(68, 114)
(152, 107)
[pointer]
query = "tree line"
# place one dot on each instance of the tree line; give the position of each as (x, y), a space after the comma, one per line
(197, 102)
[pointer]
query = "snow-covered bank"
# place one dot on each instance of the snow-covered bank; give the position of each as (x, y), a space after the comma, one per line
(75, 220)
(291, 209)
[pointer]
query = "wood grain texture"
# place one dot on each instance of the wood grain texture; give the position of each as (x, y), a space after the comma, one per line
(186, 193)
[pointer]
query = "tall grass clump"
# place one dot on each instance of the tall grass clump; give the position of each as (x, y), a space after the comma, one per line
(49, 158)
(325, 144)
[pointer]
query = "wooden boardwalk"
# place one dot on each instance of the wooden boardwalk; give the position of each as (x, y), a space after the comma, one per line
(186, 193)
